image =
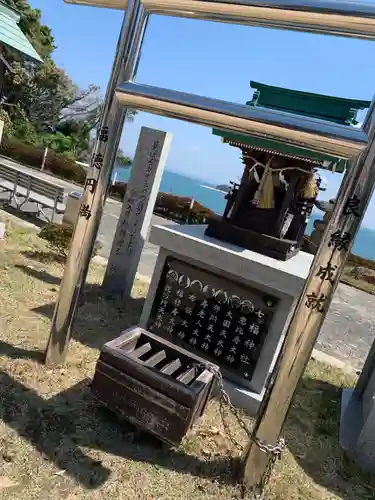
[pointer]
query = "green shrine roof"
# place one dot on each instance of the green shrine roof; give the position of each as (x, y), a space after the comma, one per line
(11, 34)
(334, 109)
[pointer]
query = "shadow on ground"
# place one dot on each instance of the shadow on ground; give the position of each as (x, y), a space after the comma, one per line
(13, 352)
(312, 435)
(39, 274)
(99, 318)
(30, 217)
(59, 427)
(44, 256)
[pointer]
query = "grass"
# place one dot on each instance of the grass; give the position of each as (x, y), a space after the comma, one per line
(55, 443)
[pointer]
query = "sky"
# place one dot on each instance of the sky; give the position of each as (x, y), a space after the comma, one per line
(214, 60)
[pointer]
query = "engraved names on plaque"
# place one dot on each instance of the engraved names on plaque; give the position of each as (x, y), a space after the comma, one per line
(224, 321)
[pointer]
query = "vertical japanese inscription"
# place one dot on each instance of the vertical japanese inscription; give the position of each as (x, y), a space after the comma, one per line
(339, 241)
(224, 321)
(352, 206)
(327, 273)
(96, 164)
(316, 302)
(143, 195)
(136, 212)
(91, 183)
(98, 161)
(123, 229)
(103, 134)
(85, 211)
(136, 202)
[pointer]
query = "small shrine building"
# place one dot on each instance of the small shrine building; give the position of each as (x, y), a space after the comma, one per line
(268, 211)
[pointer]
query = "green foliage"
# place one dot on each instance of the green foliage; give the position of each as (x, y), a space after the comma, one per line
(177, 208)
(44, 108)
(60, 143)
(122, 160)
(24, 131)
(58, 237)
(40, 92)
(39, 35)
(59, 165)
(8, 125)
(41, 95)
(79, 135)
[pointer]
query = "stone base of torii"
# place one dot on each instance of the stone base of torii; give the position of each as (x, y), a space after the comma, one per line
(357, 426)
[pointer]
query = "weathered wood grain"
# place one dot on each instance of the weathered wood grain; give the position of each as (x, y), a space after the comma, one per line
(159, 387)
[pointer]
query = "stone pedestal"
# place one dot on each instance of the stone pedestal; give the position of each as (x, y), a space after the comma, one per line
(229, 305)
(357, 426)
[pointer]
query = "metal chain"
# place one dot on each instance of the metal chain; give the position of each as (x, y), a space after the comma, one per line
(225, 402)
(274, 451)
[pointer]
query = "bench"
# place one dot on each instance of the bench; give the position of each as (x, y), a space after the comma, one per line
(27, 188)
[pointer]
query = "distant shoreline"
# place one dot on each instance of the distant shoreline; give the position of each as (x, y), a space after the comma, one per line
(213, 189)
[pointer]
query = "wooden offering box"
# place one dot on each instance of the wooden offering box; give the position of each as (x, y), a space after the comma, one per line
(157, 386)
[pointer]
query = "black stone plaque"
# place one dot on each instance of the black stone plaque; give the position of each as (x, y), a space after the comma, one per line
(224, 321)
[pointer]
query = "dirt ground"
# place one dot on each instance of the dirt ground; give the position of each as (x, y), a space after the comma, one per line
(56, 443)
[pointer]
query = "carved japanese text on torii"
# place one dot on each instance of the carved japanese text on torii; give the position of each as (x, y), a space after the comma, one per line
(92, 180)
(340, 241)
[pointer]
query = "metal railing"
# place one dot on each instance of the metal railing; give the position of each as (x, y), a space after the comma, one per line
(349, 19)
(109, 4)
(312, 133)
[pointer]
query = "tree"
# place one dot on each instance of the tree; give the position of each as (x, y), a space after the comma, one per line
(38, 96)
(31, 85)
(79, 133)
(47, 95)
(122, 160)
(40, 36)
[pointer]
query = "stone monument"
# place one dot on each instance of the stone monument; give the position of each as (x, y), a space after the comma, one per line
(357, 428)
(137, 208)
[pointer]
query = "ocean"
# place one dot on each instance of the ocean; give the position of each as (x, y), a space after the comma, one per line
(182, 185)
